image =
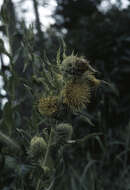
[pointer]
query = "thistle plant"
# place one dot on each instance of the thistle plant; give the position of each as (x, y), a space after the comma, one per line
(60, 128)
(64, 90)
(68, 90)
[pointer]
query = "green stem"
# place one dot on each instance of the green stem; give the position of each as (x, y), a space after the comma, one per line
(48, 147)
(45, 159)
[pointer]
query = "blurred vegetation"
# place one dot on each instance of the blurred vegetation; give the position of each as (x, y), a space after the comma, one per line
(66, 122)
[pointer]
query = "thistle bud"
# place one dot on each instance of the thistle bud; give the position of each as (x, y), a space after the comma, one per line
(63, 132)
(38, 147)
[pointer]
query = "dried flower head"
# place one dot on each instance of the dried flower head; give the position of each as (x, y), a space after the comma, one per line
(63, 132)
(75, 66)
(48, 106)
(76, 95)
(38, 147)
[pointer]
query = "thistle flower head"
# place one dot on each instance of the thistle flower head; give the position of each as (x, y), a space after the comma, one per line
(75, 66)
(48, 106)
(76, 95)
(63, 132)
(38, 147)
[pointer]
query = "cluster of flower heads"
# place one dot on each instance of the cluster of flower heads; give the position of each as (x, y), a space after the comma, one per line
(79, 81)
(72, 88)
(39, 147)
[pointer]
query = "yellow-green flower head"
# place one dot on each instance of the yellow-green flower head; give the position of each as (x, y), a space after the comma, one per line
(76, 95)
(38, 147)
(63, 132)
(74, 66)
(48, 106)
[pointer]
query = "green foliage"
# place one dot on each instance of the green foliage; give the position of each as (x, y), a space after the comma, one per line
(43, 158)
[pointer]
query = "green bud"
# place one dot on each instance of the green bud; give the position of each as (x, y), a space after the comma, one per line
(63, 132)
(38, 147)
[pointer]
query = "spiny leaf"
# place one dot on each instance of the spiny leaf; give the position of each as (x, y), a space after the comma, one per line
(64, 49)
(58, 58)
(88, 137)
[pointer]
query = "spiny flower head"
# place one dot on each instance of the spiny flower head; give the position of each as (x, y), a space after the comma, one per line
(63, 132)
(48, 106)
(38, 147)
(74, 66)
(76, 95)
